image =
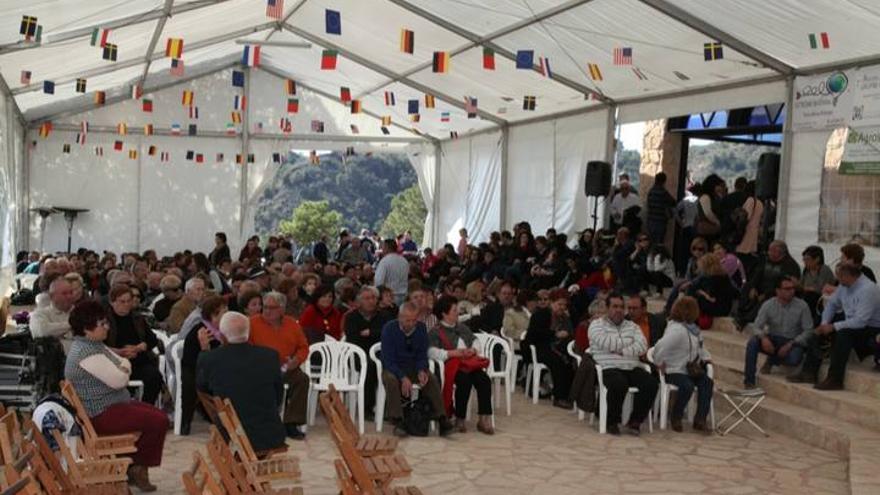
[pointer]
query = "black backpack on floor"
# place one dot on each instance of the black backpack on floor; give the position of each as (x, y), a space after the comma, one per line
(417, 417)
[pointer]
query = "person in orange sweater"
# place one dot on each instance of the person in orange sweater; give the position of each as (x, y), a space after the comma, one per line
(283, 334)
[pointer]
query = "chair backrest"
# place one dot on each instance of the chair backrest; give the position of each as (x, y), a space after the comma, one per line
(177, 353)
(650, 355)
(232, 474)
(343, 479)
(162, 336)
(335, 408)
(69, 393)
(572, 352)
(211, 405)
(238, 439)
(55, 480)
(352, 458)
(339, 360)
(199, 480)
(11, 440)
(488, 343)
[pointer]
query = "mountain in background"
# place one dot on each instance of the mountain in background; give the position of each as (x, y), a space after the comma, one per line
(359, 187)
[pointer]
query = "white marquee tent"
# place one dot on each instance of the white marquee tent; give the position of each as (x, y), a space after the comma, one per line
(506, 164)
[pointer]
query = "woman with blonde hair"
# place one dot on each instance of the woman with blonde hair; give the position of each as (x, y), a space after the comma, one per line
(713, 289)
(472, 304)
(681, 356)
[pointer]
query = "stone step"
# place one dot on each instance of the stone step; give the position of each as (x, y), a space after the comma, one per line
(844, 405)
(860, 376)
(861, 447)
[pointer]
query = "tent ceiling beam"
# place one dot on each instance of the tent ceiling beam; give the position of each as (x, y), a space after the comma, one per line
(284, 75)
(52, 39)
(709, 88)
(681, 15)
(279, 26)
(261, 136)
(160, 26)
(454, 101)
(226, 63)
(155, 56)
(840, 65)
(477, 40)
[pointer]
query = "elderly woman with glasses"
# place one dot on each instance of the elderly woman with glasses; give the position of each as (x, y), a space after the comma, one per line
(100, 376)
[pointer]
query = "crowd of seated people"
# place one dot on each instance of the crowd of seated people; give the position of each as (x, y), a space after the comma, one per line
(534, 289)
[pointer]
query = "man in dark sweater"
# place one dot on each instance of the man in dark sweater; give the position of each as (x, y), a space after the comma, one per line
(660, 205)
(249, 376)
(363, 328)
(405, 363)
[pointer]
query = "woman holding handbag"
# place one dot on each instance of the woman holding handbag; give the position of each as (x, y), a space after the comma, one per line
(455, 345)
(680, 354)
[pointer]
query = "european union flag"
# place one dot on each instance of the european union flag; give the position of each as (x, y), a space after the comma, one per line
(49, 87)
(238, 78)
(525, 59)
(333, 21)
(413, 107)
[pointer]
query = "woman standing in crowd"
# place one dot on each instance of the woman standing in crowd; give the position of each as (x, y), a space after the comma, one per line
(708, 223)
(747, 249)
(204, 336)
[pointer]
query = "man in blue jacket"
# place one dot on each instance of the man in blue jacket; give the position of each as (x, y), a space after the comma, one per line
(405, 363)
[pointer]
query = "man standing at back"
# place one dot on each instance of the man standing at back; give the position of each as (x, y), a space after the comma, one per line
(392, 271)
(247, 375)
(660, 205)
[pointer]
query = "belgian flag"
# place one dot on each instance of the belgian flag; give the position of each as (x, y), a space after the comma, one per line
(355, 106)
(407, 41)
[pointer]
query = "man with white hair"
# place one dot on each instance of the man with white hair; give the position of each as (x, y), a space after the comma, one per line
(249, 377)
(194, 292)
(51, 320)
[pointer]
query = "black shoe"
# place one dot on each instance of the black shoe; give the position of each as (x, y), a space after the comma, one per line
(184, 429)
(801, 378)
(562, 403)
(294, 432)
(829, 384)
(445, 426)
(613, 430)
(677, 425)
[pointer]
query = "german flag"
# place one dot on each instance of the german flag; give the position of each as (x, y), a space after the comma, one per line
(328, 60)
(100, 97)
(344, 94)
(187, 98)
(292, 105)
(151, 150)
(488, 58)
(80, 85)
(355, 106)
(110, 52)
(441, 62)
(174, 48)
(429, 101)
(45, 129)
(290, 86)
(407, 41)
(595, 73)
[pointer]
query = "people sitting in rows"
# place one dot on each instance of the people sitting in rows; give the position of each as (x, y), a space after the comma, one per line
(516, 317)
(283, 334)
(502, 299)
(454, 344)
(815, 277)
(550, 330)
(194, 292)
(682, 357)
(203, 337)
(472, 305)
(713, 289)
(363, 328)
(781, 331)
(859, 300)
(52, 320)
(617, 345)
(321, 318)
(100, 377)
(172, 290)
(854, 254)
(698, 248)
(732, 265)
(250, 302)
(763, 279)
(130, 337)
(652, 325)
(405, 363)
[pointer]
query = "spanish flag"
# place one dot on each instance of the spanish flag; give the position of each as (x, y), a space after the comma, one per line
(355, 106)
(407, 41)
(187, 98)
(386, 120)
(429, 101)
(174, 48)
(595, 73)
(441, 62)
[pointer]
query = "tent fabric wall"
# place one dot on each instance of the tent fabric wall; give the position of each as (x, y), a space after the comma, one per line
(423, 159)
(805, 187)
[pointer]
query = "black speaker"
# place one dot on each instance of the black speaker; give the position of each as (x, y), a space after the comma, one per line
(598, 181)
(767, 180)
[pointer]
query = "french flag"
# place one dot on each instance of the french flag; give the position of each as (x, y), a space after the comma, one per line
(251, 56)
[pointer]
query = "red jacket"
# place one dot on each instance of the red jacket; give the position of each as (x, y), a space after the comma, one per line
(328, 321)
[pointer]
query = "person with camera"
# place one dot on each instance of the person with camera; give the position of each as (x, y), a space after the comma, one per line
(680, 354)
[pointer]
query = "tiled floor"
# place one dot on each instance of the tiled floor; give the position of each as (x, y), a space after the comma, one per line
(544, 450)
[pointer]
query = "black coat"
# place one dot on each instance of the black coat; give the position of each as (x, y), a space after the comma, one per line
(250, 377)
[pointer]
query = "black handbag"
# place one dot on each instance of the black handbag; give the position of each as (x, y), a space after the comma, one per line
(417, 417)
(696, 368)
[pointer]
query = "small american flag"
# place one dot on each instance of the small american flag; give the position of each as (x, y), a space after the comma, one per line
(25, 77)
(274, 8)
(177, 67)
(623, 56)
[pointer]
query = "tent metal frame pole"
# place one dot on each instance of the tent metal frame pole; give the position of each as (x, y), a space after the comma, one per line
(10, 100)
(123, 96)
(681, 15)
(553, 181)
(245, 145)
(784, 187)
(505, 154)
(27, 185)
(456, 102)
(138, 210)
(477, 40)
(611, 136)
(138, 61)
(842, 65)
(438, 163)
(284, 75)
(160, 26)
(279, 26)
(131, 20)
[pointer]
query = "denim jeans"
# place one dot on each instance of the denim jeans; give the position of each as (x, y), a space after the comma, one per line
(754, 347)
(686, 384)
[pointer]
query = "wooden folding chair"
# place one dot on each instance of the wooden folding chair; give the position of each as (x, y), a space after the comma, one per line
(20, 476)
(97, 446)
(55, 480)
(95, 474)
(11, 439)
(210, 404)
(368, 445)
(199, 480)
(270, 468)
(235, 476)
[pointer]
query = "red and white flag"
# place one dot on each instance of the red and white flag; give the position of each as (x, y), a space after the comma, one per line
(275, 8)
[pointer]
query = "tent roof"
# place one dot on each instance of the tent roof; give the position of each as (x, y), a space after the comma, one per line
(760, 39)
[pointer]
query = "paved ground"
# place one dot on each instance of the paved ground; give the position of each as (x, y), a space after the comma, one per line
(545, 450)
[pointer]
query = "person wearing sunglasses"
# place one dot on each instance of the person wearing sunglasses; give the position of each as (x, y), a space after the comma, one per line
(699, 247)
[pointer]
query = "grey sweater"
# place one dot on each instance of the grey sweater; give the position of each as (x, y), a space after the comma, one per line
(679, 346)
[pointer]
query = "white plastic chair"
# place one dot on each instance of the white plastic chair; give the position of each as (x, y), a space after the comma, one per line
(514, 357)
(533, 372)
(500, 375)
(338, 363)
(176, 357)
(577, 358)
(661, 405)
(166, 340)
(627, 401)
(379, 415)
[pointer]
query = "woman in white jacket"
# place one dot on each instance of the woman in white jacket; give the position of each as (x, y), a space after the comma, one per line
(661, 269)
(681, 344)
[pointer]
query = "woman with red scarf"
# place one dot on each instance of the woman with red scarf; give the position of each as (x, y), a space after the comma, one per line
(321, 317)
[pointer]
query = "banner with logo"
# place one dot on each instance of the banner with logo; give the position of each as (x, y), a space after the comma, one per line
(861, 155)
(823, 101)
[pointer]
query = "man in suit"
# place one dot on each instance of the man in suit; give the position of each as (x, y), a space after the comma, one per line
(249, 376)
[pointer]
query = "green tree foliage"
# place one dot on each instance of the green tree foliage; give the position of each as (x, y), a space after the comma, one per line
(408, 212)
(311, 220)
(358, 187)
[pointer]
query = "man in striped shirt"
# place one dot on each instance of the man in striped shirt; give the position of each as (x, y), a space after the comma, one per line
(393, 271)
(616, 344)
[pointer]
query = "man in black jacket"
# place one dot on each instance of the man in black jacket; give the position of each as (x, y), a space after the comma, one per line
(363, 328)
(249, 376)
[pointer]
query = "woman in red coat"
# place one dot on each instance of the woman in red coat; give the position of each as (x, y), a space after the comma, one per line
(320, 317)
